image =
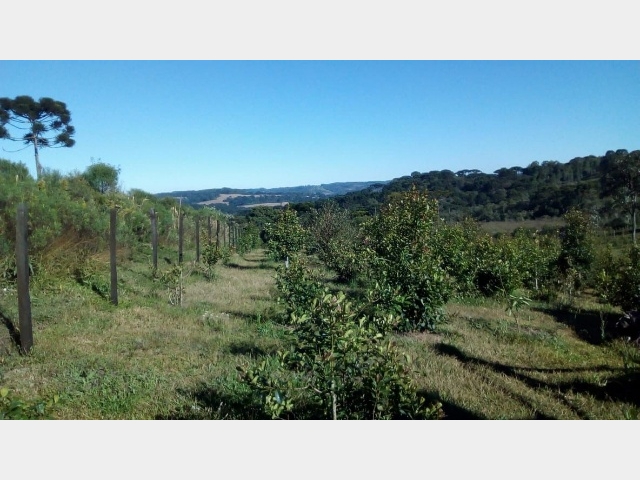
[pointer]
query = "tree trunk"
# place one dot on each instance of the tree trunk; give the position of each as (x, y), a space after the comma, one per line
(38, 166)
(334, 400)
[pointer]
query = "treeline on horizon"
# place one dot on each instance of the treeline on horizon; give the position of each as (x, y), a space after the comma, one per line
(547, 189)
(252, 196)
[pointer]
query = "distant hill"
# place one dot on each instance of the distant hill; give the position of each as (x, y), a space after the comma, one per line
(234, 200)
(541, 190)
(546, 189)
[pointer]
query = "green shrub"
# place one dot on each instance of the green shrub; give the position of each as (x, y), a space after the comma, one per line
(335, 238)
(457, 247)
(14, 408)
(297, 288)
(173, 279)
(619, 281)
(69, 220)
(339, 366)
(406, 268)
(211, 255)
(285, 237)
(577, 251)
(249, 239)
(537, 255)
(500, 270)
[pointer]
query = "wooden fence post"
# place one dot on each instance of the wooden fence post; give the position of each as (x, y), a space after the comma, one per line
(154, 238)
(217, 233)
(180, 237)
(112, 251)
(22, 264)
(198, 239)
(209, 227)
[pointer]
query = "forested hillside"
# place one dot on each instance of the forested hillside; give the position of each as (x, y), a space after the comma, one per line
(542, 189)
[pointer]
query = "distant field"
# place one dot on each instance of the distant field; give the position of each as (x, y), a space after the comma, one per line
(510, 225)
(223, 198)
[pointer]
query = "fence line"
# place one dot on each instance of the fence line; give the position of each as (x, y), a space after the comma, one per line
(112, 257)
(154, 237)
(229, 238)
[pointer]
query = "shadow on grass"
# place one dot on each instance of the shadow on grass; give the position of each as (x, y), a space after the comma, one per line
(622, 386)
(248, 349)
(253, 260)
(451, 410)
(230, 400)
(242, 315)
(14, 335)
(587, 324)
(237, 266)
(259, 265)
(102, 291)
(218, 403)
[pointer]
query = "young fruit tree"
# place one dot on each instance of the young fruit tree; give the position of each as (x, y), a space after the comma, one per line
(285, 237)
(407, 270)
(45, 123)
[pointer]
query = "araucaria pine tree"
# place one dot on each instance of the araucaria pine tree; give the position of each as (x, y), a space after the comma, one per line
(45, 123)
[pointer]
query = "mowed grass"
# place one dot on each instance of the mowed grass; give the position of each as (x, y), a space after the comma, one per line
(148, 359)
(144, 358)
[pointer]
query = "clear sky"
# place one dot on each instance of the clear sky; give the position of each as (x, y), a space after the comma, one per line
(190, 125)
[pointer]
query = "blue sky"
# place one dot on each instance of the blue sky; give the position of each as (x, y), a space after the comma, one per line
(190, 125)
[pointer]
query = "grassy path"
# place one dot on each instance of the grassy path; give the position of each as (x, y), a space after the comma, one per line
(145, 358)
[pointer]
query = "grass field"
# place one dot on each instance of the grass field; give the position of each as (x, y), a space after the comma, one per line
(148, 359)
